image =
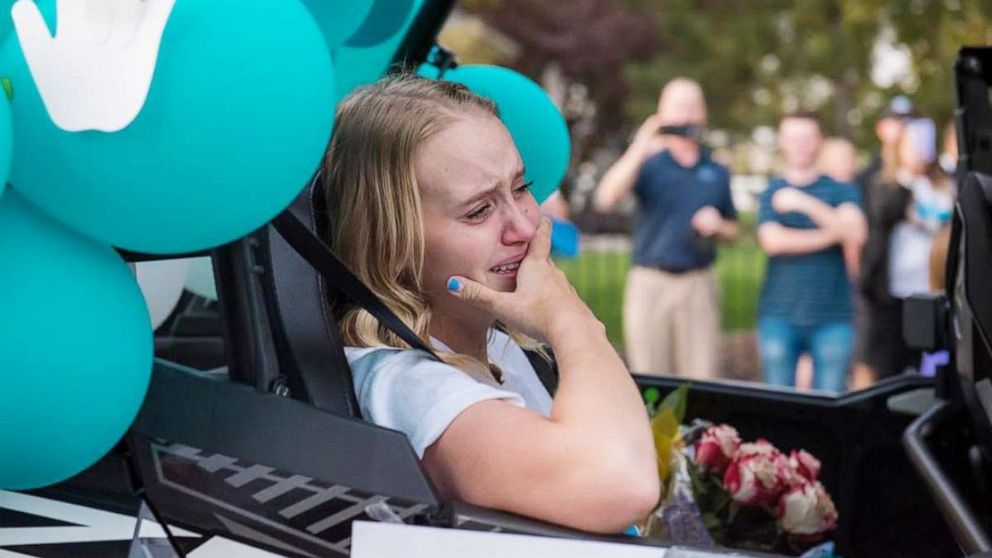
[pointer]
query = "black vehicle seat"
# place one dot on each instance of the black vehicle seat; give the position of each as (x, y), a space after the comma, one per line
(305, 333)
(279, 333)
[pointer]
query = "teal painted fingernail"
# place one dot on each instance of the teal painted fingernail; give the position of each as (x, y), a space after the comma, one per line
(454, 285)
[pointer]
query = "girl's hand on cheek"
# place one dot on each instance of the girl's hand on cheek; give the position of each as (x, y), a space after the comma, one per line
(543, 303)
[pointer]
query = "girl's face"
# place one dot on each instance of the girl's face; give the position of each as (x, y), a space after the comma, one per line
(479, 215)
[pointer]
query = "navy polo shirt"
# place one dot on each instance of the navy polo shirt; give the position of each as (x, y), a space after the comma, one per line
(806, 289)
(669, 195)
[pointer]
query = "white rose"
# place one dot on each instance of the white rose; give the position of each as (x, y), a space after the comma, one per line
(806, 509)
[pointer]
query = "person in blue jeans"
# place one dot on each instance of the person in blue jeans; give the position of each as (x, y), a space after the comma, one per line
(806, 221)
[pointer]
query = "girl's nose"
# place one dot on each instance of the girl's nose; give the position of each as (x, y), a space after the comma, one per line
(521, 223)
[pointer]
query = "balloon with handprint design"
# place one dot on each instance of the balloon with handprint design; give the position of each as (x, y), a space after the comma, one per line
(237, 115)
(94, 74)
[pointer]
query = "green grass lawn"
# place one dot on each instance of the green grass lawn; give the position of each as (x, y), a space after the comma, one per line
(599, 277)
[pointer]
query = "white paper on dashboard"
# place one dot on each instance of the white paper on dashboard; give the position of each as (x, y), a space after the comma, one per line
(95, 73)
(389, 540)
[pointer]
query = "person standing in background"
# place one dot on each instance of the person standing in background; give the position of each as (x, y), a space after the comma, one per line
(839, 161)
(909, 202)
(804, 220)
(888, 130)
(949, 154)
(671, 304)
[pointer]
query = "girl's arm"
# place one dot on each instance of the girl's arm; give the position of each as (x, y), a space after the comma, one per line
(591, 465)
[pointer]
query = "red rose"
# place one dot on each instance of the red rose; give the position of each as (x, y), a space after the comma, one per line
(758, 474)
(716, 448)
(806, 509)
(805, 464)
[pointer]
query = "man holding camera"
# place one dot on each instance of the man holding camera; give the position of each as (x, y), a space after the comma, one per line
(671, 305)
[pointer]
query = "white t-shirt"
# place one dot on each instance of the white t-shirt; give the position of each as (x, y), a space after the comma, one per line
(909, 260)
(910, 243)
(409, 391)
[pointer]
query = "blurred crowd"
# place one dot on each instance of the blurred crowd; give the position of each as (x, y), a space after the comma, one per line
(845, 246)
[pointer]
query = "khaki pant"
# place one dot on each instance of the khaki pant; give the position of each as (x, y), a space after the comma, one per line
(671, 322)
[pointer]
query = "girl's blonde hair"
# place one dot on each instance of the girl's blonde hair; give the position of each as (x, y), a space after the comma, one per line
(373, 201)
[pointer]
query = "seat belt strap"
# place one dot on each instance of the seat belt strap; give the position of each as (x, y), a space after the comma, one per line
(341, 280)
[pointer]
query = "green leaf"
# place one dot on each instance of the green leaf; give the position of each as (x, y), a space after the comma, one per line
(712, 522)
(651, 398)
(664, 427)
(676, 401)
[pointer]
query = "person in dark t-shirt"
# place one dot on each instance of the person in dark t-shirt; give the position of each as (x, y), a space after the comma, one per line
(804, 221)
(671, 304)
(888, 129)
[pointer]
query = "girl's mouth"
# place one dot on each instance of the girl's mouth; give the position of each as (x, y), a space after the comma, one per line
(506, 269)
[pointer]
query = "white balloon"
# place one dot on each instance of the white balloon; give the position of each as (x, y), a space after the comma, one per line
(162, 284)
(201, 278)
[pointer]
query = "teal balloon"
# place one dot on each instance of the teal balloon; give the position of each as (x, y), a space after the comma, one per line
(537, 126)
(75, 348)
(6, 131)
(6, 141)
(356, 66)
(339, 20)
(236, 121)
(385, 19)
(6, 22)
(429, 71)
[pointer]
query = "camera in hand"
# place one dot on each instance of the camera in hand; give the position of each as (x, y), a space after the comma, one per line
(691, 131)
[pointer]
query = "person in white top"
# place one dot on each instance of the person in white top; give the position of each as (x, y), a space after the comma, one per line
(429, 205)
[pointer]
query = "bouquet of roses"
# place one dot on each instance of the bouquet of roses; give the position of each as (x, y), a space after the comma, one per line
(741, 495)
(751, 495)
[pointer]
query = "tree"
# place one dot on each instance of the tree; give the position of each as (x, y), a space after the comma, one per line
(756, 59)
(934, 32)
(589, 40)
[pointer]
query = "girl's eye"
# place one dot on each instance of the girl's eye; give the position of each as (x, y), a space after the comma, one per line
(524, 188)
(479, 214)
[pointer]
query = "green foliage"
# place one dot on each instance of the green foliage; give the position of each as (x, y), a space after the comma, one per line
(935, 31)
(599, 278)
(665, 430)
(676, 402)
(665, 422)
(651, 397)
(713, 501)
(758, 59)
